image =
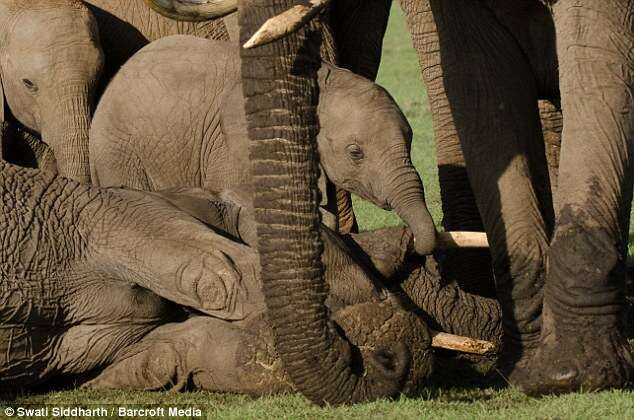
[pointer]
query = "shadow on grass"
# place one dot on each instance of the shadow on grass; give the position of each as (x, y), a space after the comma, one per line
(454, 371)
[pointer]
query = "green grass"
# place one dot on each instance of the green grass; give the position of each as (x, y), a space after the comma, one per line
(450, 404)
(400, 75)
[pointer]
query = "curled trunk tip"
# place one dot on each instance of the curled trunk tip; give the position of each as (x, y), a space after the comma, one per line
(193, 10)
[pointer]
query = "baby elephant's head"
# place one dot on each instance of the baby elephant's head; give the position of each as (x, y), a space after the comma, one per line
(50, 62)
(364, 147)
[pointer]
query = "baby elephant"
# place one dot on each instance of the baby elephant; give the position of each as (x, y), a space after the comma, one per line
(50, 62)
(173, 117)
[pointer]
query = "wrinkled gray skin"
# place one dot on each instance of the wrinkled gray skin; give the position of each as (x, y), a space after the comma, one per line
(48, 80)
(88, 277)
(172, 119)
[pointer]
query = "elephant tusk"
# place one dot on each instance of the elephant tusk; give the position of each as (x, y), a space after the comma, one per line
(286, 23)
(193, 10)
(441, 340)
(450, 240)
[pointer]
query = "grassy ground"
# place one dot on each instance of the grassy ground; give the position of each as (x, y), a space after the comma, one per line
(399, 73)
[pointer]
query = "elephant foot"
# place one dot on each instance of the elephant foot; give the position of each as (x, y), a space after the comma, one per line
(509, 369)
(580, 359)
(582, 345)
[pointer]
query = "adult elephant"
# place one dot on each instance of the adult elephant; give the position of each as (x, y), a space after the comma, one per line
(560, 270)
(563, 320)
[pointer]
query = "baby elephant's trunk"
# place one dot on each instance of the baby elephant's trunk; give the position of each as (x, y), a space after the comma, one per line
(66, 132)
(407, 199)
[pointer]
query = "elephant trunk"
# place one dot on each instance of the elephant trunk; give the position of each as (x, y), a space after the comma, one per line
(450, 309)
(66, 131)
(279, 83)
(407, 198)
(472, 269)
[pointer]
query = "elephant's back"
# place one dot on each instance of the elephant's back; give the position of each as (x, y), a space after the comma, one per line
(156, 115)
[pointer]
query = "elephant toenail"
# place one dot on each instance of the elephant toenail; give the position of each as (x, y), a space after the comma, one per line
(565, 376)
(212, 293)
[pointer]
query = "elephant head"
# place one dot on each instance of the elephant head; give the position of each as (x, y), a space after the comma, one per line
(48, 76)
(364, 147)
(280, 87)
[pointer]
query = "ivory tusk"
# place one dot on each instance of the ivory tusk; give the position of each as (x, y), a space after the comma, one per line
(286, 23)
(446, 341)
(450, 240)
(193, 10)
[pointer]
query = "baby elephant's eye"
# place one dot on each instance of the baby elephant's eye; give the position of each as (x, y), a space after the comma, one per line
(355, 152)
(29, 85)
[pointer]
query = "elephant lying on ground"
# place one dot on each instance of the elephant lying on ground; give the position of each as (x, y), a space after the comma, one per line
(174, 117)
(93, 278)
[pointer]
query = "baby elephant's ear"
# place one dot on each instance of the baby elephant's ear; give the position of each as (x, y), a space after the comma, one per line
(322, 184)
(323, 75)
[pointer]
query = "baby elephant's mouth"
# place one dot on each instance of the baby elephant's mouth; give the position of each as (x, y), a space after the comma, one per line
(383, 204)
(366, 193)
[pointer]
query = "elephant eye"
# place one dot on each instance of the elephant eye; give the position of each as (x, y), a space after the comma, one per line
(29, 85)
(355, 152)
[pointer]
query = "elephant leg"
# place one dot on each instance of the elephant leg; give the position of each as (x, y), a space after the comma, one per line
(492, 96)
(446, 307)
(347, 221)
(201, 353)
(471, 269)
(359, 28)
(552, 124)
(583, 345)
(421, 287)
